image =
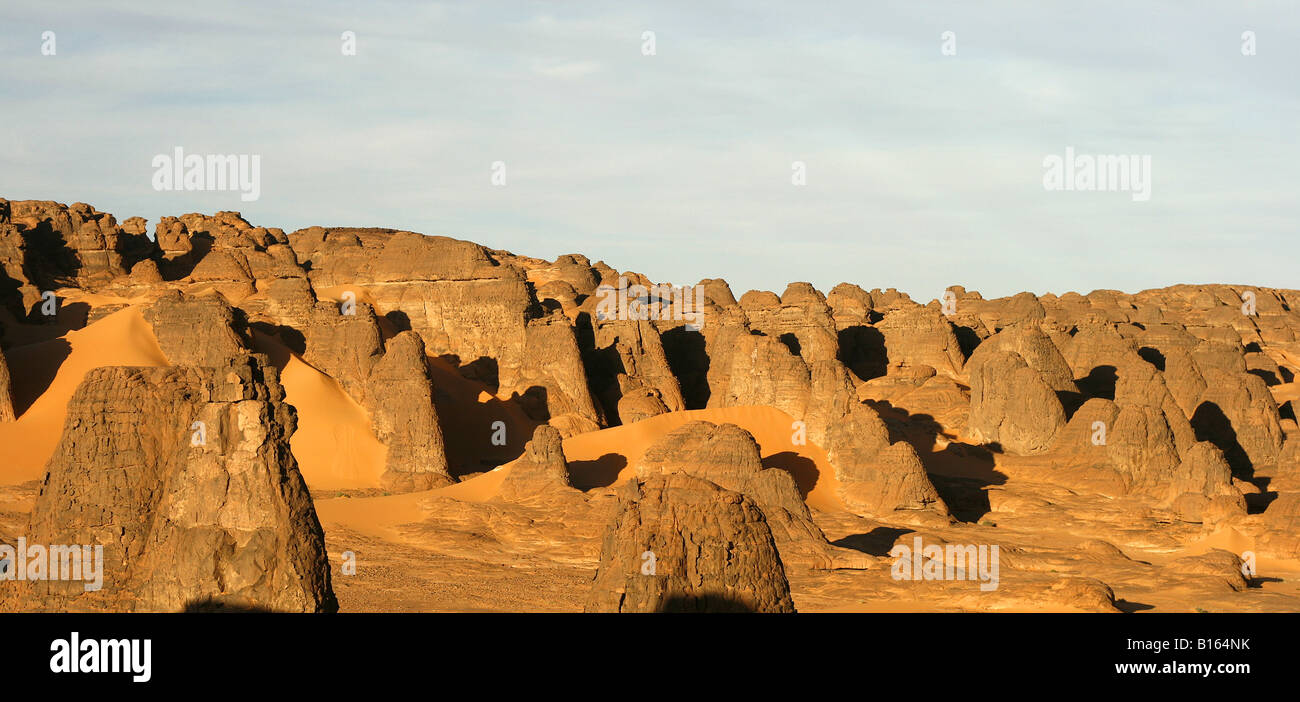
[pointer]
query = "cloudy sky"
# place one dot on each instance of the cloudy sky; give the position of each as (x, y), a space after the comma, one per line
(922, 169)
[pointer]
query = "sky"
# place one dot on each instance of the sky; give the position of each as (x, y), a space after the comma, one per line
(923, 168)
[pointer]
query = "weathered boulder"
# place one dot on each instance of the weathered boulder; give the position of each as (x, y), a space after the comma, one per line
(541, 471)
(683, 544)
(1012, 405)
(196, 330)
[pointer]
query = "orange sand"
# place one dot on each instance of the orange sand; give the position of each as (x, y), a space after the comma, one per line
(334, 444)
(123, 338)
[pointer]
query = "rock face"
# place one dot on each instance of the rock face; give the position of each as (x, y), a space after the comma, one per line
(1036, 349)
(391, 380)
(6, 392)
(922, 336)
(195, 331)
(1237, 413)
(1011, 404)
(184, 475)
(683, 544)
(540, 471)
(45, 245)
(405, 420)
(628, 367)
(468, 307)
(1201, 489)
(753, 369)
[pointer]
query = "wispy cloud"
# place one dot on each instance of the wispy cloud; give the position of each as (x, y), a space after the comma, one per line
(923, 169)
(565, 69)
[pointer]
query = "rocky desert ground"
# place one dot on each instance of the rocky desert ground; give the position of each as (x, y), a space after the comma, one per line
(378, 420)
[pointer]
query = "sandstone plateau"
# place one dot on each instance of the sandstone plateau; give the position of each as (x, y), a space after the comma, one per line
(378, 420)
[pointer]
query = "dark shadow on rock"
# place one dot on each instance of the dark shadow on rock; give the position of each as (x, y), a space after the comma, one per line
(689, 362)
(1130, 607)
(603, 366)
(704, 604)
(1267, 375)
(1258, 502)
(482, 370)
(181, 266)
(802, 469)
(601, 472)
(862, 350)
(212, 604)
(967, 339)
(967, 499)
(1100, 382)
(1153, 356)
(289, 338)
(960, 471)
(400, 320)
(35, 377)
(533, 402)
(1070, 402)
(1211, 424)
(791, 342)
(467, 421)
(50, 263)
(876, 542)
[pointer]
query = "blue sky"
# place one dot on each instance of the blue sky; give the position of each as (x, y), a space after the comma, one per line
(923, 170)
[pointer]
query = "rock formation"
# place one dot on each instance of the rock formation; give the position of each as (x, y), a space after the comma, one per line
(185, 477)
(683, 544)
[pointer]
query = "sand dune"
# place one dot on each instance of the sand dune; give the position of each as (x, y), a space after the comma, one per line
(335, 445)
(601, 458)
(123, 338)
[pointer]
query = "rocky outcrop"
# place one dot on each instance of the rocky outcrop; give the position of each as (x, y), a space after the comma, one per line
(1012, 405)
(1201, 489)
(729, 457)
(752, 369)
(683, 544)
(881, 482)
(1239, 415)
(541, 471)
(196, 331)
(629, 370)
(800, 319)
(1036, 349)
(400, 395)
(6, 392)
(922, 336)
(468, 308)
(185, 477)
(391, 380)
(70, 244)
